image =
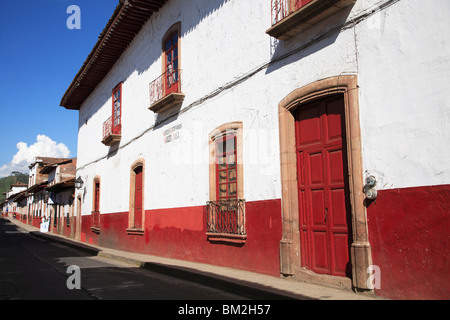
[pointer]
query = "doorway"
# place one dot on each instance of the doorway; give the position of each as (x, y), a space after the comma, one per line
(323, 193)
(138, 198)
(136, 217)
(296, 255)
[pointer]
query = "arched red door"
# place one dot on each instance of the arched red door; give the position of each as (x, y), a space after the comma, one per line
(138, 198)
(324, 205)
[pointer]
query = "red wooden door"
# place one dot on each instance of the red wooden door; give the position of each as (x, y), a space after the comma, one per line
(97, 197)
(138, 198)
(96, 213)
(323, 187)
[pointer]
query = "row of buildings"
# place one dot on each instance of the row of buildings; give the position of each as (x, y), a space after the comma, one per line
(49, 194)
(306, 139)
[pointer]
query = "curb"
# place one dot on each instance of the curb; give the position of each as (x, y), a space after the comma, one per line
(248, 290)
(79, 246)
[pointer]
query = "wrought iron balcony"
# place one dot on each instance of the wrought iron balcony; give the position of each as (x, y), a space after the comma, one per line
(290, 17)
(165, 91)
(112, 132)
(283, 8)
(226, 219)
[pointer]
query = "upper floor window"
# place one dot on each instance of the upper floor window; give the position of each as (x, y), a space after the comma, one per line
(165, 91)
(112, 128)
(171, 61)
(117, 106)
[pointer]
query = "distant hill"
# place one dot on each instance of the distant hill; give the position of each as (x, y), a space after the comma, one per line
(5, 183)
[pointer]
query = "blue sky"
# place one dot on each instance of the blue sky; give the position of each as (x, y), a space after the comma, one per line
(39, 57)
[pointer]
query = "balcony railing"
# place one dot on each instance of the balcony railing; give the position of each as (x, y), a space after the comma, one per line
(165, 91)
(226, 217)
(111, 131)
(291, 17)
(283, 8)
(280, 10)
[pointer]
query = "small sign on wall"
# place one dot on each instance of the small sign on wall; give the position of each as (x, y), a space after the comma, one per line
(44, 225)
(172, 133)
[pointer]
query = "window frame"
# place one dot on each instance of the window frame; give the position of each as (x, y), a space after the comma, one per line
(229, 129)
(226, 167)
(117, 128)
(174, 29)
(237, 128)
(161, 97)
(171, 67)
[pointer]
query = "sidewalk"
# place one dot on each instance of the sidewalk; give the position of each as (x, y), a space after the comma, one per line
(233, 280)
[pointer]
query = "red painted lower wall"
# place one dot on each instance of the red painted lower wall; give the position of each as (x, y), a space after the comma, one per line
(36, 222)
(409, 231)
(180, 233)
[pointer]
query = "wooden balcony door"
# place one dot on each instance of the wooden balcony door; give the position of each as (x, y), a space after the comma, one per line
(171, 52)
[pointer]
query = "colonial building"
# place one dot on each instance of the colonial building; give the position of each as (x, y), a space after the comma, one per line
(14, 205)
(50, 186)
(60, 191)
(303, 139)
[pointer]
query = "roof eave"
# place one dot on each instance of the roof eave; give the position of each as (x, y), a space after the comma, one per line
(129, 17)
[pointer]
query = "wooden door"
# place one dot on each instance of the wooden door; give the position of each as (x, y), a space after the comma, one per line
(171, 50)
(96, 212)
(324, 206)
(77, 224)
(138, 198)
(116, 126)
(97, 197)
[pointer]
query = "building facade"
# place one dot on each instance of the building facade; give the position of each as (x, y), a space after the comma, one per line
(291, 138)
(60, 191)
(14, 205)
(48, 195)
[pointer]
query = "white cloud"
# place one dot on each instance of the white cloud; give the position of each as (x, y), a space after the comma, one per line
(43, 147)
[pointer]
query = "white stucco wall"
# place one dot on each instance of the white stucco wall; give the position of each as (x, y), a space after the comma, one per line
(400, 54)
(404, 63)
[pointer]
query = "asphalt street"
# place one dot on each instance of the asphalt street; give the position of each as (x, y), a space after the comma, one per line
(32, 268)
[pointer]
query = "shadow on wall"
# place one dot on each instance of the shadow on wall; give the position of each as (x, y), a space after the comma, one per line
(312, 40)
(146, 47)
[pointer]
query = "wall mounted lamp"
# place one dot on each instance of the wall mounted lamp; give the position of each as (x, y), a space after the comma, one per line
(79, 183)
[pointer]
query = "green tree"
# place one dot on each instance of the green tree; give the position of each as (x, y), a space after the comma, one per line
(6, 182)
